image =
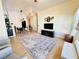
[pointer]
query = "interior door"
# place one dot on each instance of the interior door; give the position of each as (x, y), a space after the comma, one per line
(23, 24)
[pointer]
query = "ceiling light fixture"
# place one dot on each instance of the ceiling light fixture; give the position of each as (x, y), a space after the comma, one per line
(35, 1)
(21, 11)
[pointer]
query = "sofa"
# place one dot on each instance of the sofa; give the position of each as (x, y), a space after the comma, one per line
(68, 51)
(6, 50)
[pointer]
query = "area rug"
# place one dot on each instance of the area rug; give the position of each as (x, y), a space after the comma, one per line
(39, 46)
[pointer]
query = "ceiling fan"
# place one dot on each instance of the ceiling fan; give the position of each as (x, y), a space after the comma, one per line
(35, 1)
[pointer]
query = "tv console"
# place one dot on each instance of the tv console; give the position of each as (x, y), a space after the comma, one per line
(47, 33)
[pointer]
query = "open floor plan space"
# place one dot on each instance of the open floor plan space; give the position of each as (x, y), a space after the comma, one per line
(39, 29)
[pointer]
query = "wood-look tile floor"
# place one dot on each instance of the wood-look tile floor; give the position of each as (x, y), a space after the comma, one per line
(19, 50)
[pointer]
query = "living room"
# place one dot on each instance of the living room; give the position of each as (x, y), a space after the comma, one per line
(30, 25)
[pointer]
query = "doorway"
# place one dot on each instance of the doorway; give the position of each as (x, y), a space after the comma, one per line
(33, 22)
(23, 24)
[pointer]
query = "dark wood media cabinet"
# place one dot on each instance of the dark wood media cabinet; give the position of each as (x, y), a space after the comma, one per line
(47, 33)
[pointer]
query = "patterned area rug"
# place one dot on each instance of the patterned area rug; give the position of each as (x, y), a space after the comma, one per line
(39, 46)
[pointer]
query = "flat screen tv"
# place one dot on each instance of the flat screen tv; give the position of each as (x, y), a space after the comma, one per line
(48, 26)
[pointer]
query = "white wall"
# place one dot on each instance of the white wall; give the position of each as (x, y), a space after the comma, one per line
(14, 17)
(63, 16)
(3, 31)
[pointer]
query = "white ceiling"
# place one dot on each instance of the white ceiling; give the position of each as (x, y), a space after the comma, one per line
(26, 4)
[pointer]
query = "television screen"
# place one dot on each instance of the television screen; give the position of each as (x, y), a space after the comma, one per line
(48, 26)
